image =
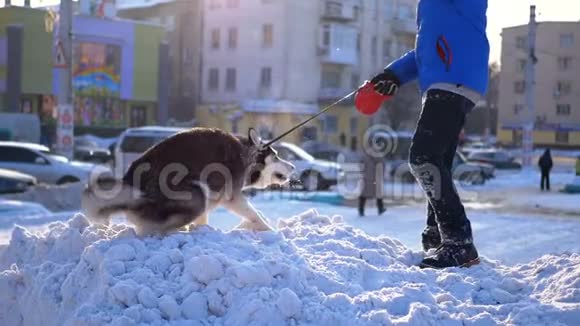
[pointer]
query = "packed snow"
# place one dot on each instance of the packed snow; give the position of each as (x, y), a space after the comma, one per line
(314, 270)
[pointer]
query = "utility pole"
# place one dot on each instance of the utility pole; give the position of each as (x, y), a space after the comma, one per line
(63, 63)
(528, 132)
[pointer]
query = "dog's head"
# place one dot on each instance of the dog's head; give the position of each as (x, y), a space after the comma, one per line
(266, 167)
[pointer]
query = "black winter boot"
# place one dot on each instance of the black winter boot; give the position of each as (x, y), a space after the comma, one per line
(452, 255)
(430, 238)
(380, 206)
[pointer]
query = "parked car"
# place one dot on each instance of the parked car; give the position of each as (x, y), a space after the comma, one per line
(12, 182)
(498, 158)
(46, 166)
(133, 142)
(463, 170)
(476, 146)
(89, 151)
(314, 174)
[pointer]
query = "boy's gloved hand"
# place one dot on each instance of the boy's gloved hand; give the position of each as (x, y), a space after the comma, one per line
(386, 83)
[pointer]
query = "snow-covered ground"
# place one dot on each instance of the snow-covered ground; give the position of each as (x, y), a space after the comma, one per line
(56, 198)
(315, 271)
(335, 269)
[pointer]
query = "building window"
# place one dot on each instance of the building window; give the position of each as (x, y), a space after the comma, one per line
(138, 116)
(387, 48)
(404, 11)
(563, 88)
(521, 42)
(374, 47)
(562, 137)
(355, 12)
(563, 109)
(266, 77)
(231, 79)
(520, 87)
(331, 124)
(267, 35)
(353, 125)
(333, 8)
(330, 79)
(233, 38)
(215, 38)
(564, 63)
(326, 36)
(567, 40)
(213, 81)
(355, 81)
(169, 22)
(521, 65)
(233, 3)
(518, 108)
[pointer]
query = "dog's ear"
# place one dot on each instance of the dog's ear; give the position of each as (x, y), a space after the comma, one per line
(254, 137)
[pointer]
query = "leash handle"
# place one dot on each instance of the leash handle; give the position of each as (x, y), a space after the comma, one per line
(312, 118)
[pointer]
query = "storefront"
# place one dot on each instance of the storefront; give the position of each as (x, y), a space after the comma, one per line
(115, 65)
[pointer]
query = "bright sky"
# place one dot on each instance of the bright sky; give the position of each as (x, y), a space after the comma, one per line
(501, 13)
(505, 13)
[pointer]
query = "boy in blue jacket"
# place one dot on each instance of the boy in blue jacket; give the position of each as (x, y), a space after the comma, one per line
(450, 61)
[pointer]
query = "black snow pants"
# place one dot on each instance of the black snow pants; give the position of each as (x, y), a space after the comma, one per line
(431, 158)
(545, 183)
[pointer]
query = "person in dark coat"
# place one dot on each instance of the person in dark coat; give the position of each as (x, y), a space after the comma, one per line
(545, 163)
(373, 183)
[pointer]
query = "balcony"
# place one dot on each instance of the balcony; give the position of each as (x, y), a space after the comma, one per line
(331, 94)
(403, 26)
(337, 10)
(338, 45)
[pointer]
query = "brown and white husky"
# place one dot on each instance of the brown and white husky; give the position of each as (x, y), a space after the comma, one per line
(181, 179)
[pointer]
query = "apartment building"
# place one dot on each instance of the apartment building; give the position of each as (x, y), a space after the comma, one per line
(182, 21)
(269, 64)
(557, 95)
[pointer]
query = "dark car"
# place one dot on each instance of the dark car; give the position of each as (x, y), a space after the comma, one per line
(463, 170)
(88, 151)
(499, 159)
(12, 182)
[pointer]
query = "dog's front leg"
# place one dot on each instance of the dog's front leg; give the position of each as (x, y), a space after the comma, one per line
(252, 217)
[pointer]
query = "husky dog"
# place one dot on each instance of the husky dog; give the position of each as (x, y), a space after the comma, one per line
(181, 179)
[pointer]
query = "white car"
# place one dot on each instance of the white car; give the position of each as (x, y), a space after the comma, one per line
(314, 174)
(478, 146)
(133, 142)
(46, 166)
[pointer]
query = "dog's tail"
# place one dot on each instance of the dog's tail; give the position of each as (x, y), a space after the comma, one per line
(106, 197)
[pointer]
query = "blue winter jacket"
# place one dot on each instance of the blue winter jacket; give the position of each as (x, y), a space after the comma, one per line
(451, 46)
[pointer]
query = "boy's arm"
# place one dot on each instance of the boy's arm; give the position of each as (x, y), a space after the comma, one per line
(405, 68)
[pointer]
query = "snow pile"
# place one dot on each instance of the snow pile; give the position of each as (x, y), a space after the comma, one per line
(56, 198)
(314, 271)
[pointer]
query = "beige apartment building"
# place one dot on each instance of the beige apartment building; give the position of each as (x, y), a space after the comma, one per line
(557, 96)
(272, 63)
